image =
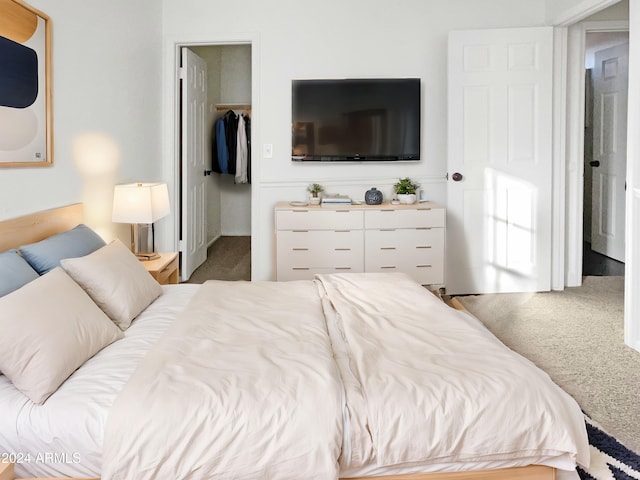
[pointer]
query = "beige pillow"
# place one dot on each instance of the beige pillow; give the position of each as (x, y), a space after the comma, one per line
(49, 328)
(116, 280)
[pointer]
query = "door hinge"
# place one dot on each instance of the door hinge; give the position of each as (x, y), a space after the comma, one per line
(181, 73)
(181, 245)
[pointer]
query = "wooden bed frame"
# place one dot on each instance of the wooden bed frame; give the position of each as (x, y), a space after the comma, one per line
(37, 226)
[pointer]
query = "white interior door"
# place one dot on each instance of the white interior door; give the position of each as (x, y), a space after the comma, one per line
(499, 161)
(194, 192)
(610, 86)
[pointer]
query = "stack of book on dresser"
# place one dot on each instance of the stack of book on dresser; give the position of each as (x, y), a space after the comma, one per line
(335, 200)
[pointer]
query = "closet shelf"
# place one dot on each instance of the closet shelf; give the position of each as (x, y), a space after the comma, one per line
(233, 106)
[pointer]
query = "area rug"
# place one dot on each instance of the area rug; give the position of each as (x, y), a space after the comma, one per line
(610, 460)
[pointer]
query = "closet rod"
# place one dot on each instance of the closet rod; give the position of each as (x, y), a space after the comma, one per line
(233, 106)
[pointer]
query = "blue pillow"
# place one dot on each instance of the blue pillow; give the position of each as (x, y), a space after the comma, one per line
(46, 254)
(14, 272)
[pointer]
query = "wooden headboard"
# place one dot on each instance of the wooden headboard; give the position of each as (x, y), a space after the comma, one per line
(38, 226)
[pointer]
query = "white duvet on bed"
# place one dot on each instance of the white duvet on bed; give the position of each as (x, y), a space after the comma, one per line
(243, 385)
(376, 330)
(63, 437)
(429, 388)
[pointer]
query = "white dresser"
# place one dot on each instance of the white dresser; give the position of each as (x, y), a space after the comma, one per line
(360, 238)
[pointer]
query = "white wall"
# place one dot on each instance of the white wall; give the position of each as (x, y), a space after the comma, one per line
(359, 38)
(107, 79)
(567, 12)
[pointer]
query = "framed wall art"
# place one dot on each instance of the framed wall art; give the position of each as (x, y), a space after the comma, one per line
(25, 86)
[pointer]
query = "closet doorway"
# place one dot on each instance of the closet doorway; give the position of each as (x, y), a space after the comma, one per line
(225, 196)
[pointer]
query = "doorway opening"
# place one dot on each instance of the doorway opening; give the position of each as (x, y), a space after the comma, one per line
(225, 119)
(606, 86)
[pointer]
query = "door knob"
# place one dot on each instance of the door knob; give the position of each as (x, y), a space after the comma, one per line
(594, 163)
(207, 173)
(456, 177)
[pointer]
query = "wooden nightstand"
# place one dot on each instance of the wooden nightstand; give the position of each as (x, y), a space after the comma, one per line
(163, 269)
(7, 473)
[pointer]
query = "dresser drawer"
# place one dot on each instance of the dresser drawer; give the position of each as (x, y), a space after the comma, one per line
(322, 248)
(413, 240)
(302, 273)
(417, 252)
(401, 218)
(429, 272)
(339, 219)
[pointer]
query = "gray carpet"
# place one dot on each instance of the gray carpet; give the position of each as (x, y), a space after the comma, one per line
(228, 258)
(576, 336)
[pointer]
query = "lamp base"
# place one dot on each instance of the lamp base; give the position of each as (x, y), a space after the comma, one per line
(142, 244)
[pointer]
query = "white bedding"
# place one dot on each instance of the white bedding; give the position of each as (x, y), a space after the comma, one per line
(63, 437)
(431, 389)
(242, 386)
(361, 434)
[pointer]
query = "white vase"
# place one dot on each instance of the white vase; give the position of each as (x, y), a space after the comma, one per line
(407, 198)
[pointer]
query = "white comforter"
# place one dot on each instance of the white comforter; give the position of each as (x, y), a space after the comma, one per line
(248, 384)
(429, 388)
(242, 386)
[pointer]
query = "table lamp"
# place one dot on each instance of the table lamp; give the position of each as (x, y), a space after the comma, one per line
(141, 204)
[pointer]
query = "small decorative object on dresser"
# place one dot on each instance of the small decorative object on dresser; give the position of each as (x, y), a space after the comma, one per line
(315, 189)
(405, 189)
(373, 196)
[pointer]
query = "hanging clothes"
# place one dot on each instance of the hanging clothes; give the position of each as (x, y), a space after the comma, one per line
(231, 131)
(222, 149)
(241, 152)
(232, 146)
(215, 165)
(247, 126)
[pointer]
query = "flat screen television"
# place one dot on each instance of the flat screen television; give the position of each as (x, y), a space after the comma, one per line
(356, 120)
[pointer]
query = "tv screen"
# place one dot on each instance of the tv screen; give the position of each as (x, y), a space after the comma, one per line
(356, 119)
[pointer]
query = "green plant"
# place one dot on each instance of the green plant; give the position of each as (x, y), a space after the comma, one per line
(405, 186)
(314, 189)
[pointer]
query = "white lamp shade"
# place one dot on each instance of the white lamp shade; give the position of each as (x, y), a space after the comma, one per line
(140, 202)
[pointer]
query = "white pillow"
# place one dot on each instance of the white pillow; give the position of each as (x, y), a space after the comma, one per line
(116, 280)
(50, 327)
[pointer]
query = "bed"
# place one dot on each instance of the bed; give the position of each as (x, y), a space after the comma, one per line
(346, 376)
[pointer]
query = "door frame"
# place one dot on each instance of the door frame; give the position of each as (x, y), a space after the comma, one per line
(575, 143)
(168, 233)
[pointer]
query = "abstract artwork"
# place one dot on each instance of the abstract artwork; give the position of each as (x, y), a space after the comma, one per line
(25, 86)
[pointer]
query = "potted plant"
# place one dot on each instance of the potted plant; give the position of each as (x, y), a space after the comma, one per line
(405, 189)
(315, 189)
